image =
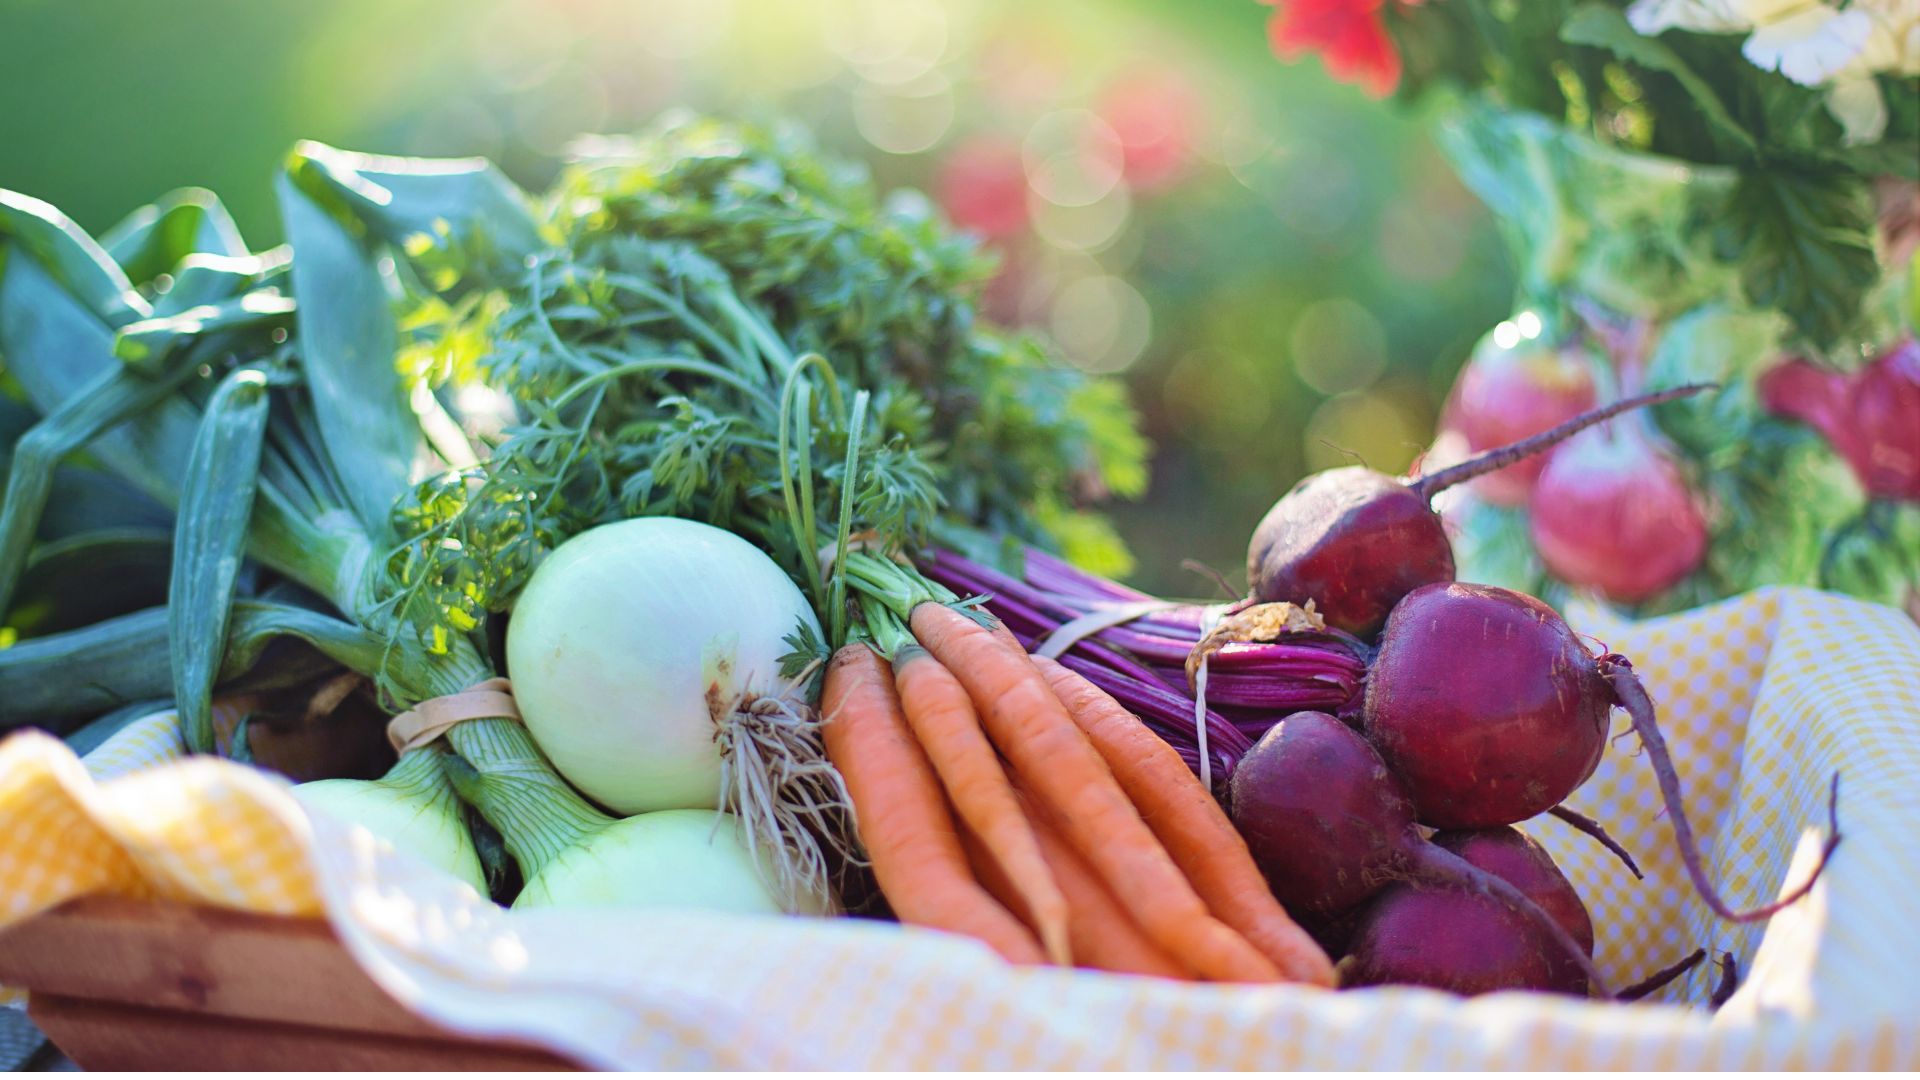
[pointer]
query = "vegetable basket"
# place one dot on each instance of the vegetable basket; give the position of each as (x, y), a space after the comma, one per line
(1764, 698)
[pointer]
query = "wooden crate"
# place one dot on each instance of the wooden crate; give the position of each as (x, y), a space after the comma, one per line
(125, 985)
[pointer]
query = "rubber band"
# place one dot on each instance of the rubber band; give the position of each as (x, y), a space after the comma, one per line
(1070, 633)
(432, 718)
(1209, 620)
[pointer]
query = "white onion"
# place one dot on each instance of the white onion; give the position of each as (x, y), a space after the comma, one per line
(412, 807)
(629, 643)
(690, 859)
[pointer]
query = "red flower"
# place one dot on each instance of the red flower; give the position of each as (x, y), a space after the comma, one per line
(1349, 35)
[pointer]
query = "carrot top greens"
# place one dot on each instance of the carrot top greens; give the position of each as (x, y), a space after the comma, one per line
(720, 324)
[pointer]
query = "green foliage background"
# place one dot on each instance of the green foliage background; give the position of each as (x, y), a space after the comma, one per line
(1315, 274)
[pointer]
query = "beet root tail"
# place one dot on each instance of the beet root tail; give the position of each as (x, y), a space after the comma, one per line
(1599, 833)
(1662, 977)
(1632, 696)
(1729, 981)
(1502, 456)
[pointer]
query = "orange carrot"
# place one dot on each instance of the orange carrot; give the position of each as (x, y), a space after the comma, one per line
(901, 815)
(1056, 763)
(1103, 936)
(943, 720)
(1195, 831)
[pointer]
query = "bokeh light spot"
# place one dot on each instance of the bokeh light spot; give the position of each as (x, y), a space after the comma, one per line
(1072, 157)
(1337, 345)
(904, 119)
(1101, 322)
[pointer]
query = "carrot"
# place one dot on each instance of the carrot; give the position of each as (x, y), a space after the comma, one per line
(943, 719)
(902, 817)
(1061, 769)
(1102, 934)
(1196, 832)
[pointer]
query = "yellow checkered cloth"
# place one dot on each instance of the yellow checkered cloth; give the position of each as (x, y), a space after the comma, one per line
(1762, 697)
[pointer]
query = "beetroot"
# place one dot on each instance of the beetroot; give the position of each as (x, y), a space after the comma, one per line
(1330, 826)
(1355, 540)
(1611, 512)
(1505, 394)
(1485, 704)
(1487, 708)
(1322, 815)
(1453, 940)
(1521, 860)
(1872, 417)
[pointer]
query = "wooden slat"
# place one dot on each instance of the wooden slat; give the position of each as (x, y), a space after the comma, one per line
(100, 1036)
(232, 969)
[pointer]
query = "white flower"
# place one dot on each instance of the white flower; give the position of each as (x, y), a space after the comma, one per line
(1857, 104)
(1814, 44)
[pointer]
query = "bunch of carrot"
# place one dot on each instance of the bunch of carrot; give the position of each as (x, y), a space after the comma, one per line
(1004, 797)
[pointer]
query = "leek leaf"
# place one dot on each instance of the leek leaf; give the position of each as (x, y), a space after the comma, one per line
(215, 506)
(70, 256)
(91, 576)
(349, 346)
(155, 238)
(113, 397)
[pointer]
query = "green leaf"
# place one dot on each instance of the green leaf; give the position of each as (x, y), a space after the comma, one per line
(70, 257)
(1804, 245)
(348, 348)
(1603, 26)
(465, 200)
(97, 575)
(57, 348)
(113, 397)
(147, 344)
(215, 506)
(155, 238)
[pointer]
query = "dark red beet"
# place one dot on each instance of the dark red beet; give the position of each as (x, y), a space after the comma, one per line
(1458, 941)
(1520, 859)
(1485, 704)
(1310, 787)
(1330, 826)
(1352, 540)
(1355, 541)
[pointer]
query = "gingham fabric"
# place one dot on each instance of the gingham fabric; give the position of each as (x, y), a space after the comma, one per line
(1762, 698)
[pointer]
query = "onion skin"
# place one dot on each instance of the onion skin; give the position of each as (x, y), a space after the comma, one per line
(1611, 512)
(413, 808)
(1354, 541)
(1504, 395)
(1872, 417)
(627, 640)
(1485, 705)
(685, 859)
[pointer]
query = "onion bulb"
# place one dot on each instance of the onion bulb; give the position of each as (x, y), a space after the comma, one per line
(412, 807)
(572, 855)
(633, 643)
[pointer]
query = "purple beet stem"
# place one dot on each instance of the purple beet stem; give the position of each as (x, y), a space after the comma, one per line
(1260, 682)
(1633, 697)
(1662, 977)
(1502, 456)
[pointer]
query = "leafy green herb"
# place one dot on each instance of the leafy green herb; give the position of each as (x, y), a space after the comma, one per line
(680, 348)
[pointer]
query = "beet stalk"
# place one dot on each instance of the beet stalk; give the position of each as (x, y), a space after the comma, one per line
(1593, 828)
(1356, 540)
(1662, 977)
(1632, 696)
